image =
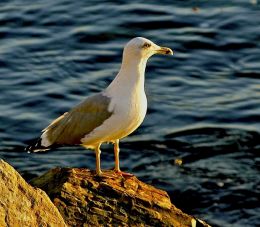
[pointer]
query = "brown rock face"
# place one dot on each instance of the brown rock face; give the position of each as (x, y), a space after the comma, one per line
(86, 200)
(23, 205)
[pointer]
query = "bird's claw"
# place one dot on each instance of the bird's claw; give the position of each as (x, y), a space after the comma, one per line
(123, 174)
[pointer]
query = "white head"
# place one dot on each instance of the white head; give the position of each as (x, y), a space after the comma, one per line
(143, 48)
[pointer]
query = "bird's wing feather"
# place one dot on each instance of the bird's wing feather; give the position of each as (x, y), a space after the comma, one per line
(72, 126)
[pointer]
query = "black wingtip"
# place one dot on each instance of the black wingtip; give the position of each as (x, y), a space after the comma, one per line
(35, 146)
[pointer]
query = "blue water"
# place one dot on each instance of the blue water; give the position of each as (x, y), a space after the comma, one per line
(203, 102)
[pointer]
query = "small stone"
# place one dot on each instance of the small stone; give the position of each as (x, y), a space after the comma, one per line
(178, 162)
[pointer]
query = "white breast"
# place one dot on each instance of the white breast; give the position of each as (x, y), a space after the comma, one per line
(127, 116)
(128, 113)
(128, 104)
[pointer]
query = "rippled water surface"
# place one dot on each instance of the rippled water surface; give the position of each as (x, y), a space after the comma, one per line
(204, 102)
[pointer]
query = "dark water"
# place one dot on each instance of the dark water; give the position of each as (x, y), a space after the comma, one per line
(204, 102)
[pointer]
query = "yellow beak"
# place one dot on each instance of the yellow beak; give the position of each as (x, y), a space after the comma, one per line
(165, 50)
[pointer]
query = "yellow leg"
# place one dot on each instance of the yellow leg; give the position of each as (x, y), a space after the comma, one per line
(98, 168)
(116, 151)
(117, 168)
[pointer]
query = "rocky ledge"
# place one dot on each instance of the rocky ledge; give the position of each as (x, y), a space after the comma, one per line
(84, 199)
(78, 198)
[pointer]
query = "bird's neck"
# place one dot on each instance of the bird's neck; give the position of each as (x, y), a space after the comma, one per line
(130, 77)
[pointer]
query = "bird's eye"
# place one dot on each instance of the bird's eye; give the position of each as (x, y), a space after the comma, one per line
(146, 45)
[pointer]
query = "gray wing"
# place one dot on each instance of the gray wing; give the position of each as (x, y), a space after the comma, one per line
(72, 126)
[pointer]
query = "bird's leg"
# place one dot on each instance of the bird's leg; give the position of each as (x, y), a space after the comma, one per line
(98, 168)
(117, 168)
(116, 151)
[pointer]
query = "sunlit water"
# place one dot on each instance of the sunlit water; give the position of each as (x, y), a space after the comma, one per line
(204, 102)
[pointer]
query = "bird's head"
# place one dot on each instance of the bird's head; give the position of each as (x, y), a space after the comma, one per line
(144, 48)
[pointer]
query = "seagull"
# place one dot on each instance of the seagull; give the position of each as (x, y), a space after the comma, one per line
(109, 115)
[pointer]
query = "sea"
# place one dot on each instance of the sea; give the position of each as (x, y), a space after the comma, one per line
(200, 140)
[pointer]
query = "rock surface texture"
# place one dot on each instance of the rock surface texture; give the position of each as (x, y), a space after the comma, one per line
(86, 200)
(23, 205)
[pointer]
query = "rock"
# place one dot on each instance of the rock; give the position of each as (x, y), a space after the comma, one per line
(84, 199)
(23, 205)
